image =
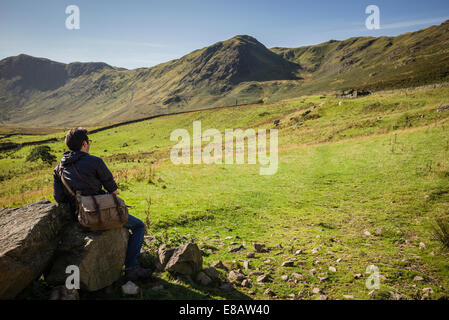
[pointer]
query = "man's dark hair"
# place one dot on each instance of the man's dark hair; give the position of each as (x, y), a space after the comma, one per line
(75, 137)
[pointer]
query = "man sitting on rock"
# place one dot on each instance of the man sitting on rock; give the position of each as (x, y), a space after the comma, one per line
(93, 170)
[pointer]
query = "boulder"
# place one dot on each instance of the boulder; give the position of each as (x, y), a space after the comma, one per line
(186, 259)
(164, 253)
(28, 239)
(99, 256)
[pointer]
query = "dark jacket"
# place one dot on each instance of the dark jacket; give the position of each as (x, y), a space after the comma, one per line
(92, 170)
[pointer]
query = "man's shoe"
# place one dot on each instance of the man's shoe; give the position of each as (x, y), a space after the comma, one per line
(138, 273)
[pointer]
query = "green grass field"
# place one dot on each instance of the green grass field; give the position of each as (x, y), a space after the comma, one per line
(360, 183)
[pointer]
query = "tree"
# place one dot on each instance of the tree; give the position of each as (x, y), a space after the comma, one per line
(43, 153)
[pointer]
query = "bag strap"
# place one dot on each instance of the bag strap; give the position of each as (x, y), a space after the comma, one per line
(119, 209)
(64, 182)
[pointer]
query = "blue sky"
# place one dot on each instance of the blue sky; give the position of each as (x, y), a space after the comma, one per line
(135, 34)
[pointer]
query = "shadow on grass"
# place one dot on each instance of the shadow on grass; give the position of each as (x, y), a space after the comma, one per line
(154, 289)
(161, 289)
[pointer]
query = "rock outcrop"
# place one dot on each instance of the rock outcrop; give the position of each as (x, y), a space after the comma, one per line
(98, 255)
(28, 240)
(41, 238)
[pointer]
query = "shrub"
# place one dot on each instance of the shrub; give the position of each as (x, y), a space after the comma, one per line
(441, 232)
(43, 153)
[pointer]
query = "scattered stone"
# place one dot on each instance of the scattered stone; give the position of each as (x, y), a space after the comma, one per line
(422, 245)
(130, 289)
(259, 247)
(256, 273)
(298, 252)
(418, 278)
(339, 260)
(316, 290)
(347, 296)
(428, 290)
(284, 277)
(212, 273)
(288, 263)
(228, 238)
(322, 297)
(367, 233)
(264, 278)
(235, 249)
(250, 255)
(332, 269)
(443, 108)
(251, 292)
(322, 279)
(378, 231)
(124, 144)
(246, 265)
(357, 275)
(236, 276)
(292, 296)
(267, 261)
(278, 246)
(246, 283)
(296, 275)
(278, 253)
(395, 296)
(340, 103)
(314, 251)
(269, 292)
(219, 265)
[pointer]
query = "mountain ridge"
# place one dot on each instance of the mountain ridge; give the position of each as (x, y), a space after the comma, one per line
(240, 70)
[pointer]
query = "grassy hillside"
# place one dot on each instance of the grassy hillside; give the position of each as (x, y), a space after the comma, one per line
(413, 58)
(361, 181)
(38, 92)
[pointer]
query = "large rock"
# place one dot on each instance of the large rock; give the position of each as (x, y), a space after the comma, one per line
(164, 253)
(28, 239)
(185, 260)
(99, 256)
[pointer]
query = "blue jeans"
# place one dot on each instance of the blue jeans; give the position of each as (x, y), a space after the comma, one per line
(135, 242)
